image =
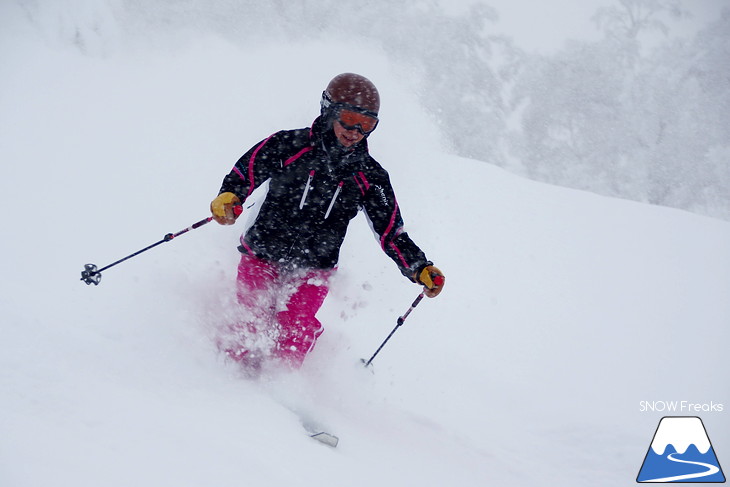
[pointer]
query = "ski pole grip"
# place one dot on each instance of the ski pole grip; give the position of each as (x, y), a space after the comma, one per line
(199, 224)
(415, 302)
(237, 210)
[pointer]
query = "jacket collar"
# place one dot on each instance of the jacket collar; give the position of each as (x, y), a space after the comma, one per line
(321, 135)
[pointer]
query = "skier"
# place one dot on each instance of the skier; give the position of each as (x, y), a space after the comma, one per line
(319, 178)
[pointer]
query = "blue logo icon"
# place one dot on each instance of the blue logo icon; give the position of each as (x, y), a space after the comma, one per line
(681, 452)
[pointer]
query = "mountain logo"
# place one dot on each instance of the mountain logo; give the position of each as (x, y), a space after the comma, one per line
(680, 452)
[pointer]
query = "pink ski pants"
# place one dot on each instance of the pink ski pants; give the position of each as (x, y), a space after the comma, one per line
(282, 304)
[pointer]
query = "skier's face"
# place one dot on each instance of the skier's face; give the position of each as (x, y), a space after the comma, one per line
(347, 138)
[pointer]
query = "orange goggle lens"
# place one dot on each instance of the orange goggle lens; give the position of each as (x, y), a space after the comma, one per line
(351, 120)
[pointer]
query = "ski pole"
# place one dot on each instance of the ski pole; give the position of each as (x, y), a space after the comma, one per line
(92, 275)
(398, 325)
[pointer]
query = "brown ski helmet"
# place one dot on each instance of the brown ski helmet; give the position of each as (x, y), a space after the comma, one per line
(354, 91)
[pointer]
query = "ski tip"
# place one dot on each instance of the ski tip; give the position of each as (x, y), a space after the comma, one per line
(326, 438)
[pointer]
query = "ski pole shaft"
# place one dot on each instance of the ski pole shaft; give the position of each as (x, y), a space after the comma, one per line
(400, 321)
(166, 238)
(413, 306)
(92, 275)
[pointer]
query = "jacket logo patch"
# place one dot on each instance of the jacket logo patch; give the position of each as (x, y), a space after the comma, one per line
(381, 194)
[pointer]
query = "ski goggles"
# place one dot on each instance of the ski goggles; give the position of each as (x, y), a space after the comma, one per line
(352, 120)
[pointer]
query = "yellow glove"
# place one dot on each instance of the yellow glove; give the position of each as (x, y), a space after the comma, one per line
(432, 279)
(224, 208)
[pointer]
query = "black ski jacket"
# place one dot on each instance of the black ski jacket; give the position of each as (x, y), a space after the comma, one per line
(315, 189)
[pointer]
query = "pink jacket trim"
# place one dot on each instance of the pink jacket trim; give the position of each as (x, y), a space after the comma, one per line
(390, 226)
(297, 155)
(251, 162)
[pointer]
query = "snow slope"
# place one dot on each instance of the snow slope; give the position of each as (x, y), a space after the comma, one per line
(563, 310)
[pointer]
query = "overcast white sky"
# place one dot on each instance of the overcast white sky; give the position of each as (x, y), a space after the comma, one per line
(543, 26)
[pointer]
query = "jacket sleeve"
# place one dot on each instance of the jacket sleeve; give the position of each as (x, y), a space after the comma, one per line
(253, 168)
(381, 208)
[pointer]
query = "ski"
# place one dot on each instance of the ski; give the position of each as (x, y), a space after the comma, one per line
(316, 430)
(325, 438)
